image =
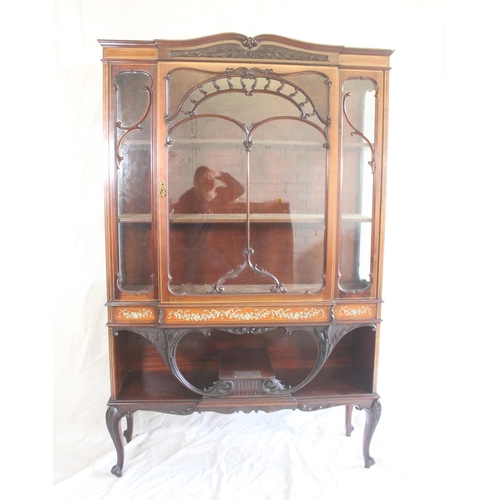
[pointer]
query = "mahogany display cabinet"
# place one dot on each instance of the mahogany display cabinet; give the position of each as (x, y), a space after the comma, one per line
(244, 226)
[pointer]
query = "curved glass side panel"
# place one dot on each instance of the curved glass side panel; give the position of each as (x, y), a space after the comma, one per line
(358, 164)
(247, 170)
(133, 164)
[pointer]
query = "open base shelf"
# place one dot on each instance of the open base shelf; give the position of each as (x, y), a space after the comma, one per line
(160, 391)
(163, 389)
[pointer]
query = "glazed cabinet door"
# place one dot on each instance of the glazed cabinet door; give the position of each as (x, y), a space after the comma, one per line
(131, 231)
(250, 177)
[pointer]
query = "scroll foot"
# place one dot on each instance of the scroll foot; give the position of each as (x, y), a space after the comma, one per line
(117, 471)
(113, 418)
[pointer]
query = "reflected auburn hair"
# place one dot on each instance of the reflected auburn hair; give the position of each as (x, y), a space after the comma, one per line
(201, 180)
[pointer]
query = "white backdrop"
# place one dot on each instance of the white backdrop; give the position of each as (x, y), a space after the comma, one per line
(441, 270)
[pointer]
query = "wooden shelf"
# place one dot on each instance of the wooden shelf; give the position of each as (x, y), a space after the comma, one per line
(242, 218)
(135, 218)
(355, 218)
(151, 386)
(239, 218)
(162, 386)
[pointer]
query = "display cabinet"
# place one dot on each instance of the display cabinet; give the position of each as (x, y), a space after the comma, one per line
(244, 226)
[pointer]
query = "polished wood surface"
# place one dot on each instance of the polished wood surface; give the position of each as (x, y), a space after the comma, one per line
(277, 303)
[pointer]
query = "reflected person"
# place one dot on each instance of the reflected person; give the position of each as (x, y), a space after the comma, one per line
(213, 192)
(206, 197)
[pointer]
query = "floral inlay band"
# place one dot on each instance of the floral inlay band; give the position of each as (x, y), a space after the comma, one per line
(248, 314)
(136, 314)
(355, 310)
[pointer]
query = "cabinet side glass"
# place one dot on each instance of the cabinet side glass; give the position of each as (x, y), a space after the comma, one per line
(357, 167)
(133, 95)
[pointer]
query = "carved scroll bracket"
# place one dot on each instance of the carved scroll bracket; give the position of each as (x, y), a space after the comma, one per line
(357, 132)
(137, 126)
(247, 253)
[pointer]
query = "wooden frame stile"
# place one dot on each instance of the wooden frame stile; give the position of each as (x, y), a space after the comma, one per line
(110, 216)
(154, 190)
(382, 207)
(161, 187)
(333, 181)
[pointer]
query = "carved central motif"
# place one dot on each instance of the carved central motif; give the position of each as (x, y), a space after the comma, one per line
(233, 50)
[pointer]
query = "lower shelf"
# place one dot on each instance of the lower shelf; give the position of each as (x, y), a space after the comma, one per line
(162, 387)
(160, 391)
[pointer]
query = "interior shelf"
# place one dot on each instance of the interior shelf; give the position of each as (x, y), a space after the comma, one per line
(231, 218)
(159, 385)
(242, 217)
(156, 385)
(135, 218)
(356, 218)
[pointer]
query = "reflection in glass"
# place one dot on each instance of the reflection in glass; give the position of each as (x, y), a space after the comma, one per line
(133, 160)
(263, 144)
(206, 187)
(358, 164)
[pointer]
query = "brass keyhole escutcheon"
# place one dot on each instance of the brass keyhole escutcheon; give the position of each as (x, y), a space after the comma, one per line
(163, 189)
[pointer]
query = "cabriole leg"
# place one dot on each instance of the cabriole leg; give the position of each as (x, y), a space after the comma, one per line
(113, 419)
(372, 419)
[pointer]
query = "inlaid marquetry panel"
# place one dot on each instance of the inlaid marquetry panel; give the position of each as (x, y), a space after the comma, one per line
(226, 315)
(354, 311)
(134, 315)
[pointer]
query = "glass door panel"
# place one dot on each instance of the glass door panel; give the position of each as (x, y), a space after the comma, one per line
(358, 164)
(248, 149)
(287, 210)
(133, 163)
(207, 192)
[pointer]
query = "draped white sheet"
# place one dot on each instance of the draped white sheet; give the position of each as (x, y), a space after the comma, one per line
(437, 435)
(282, 455)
